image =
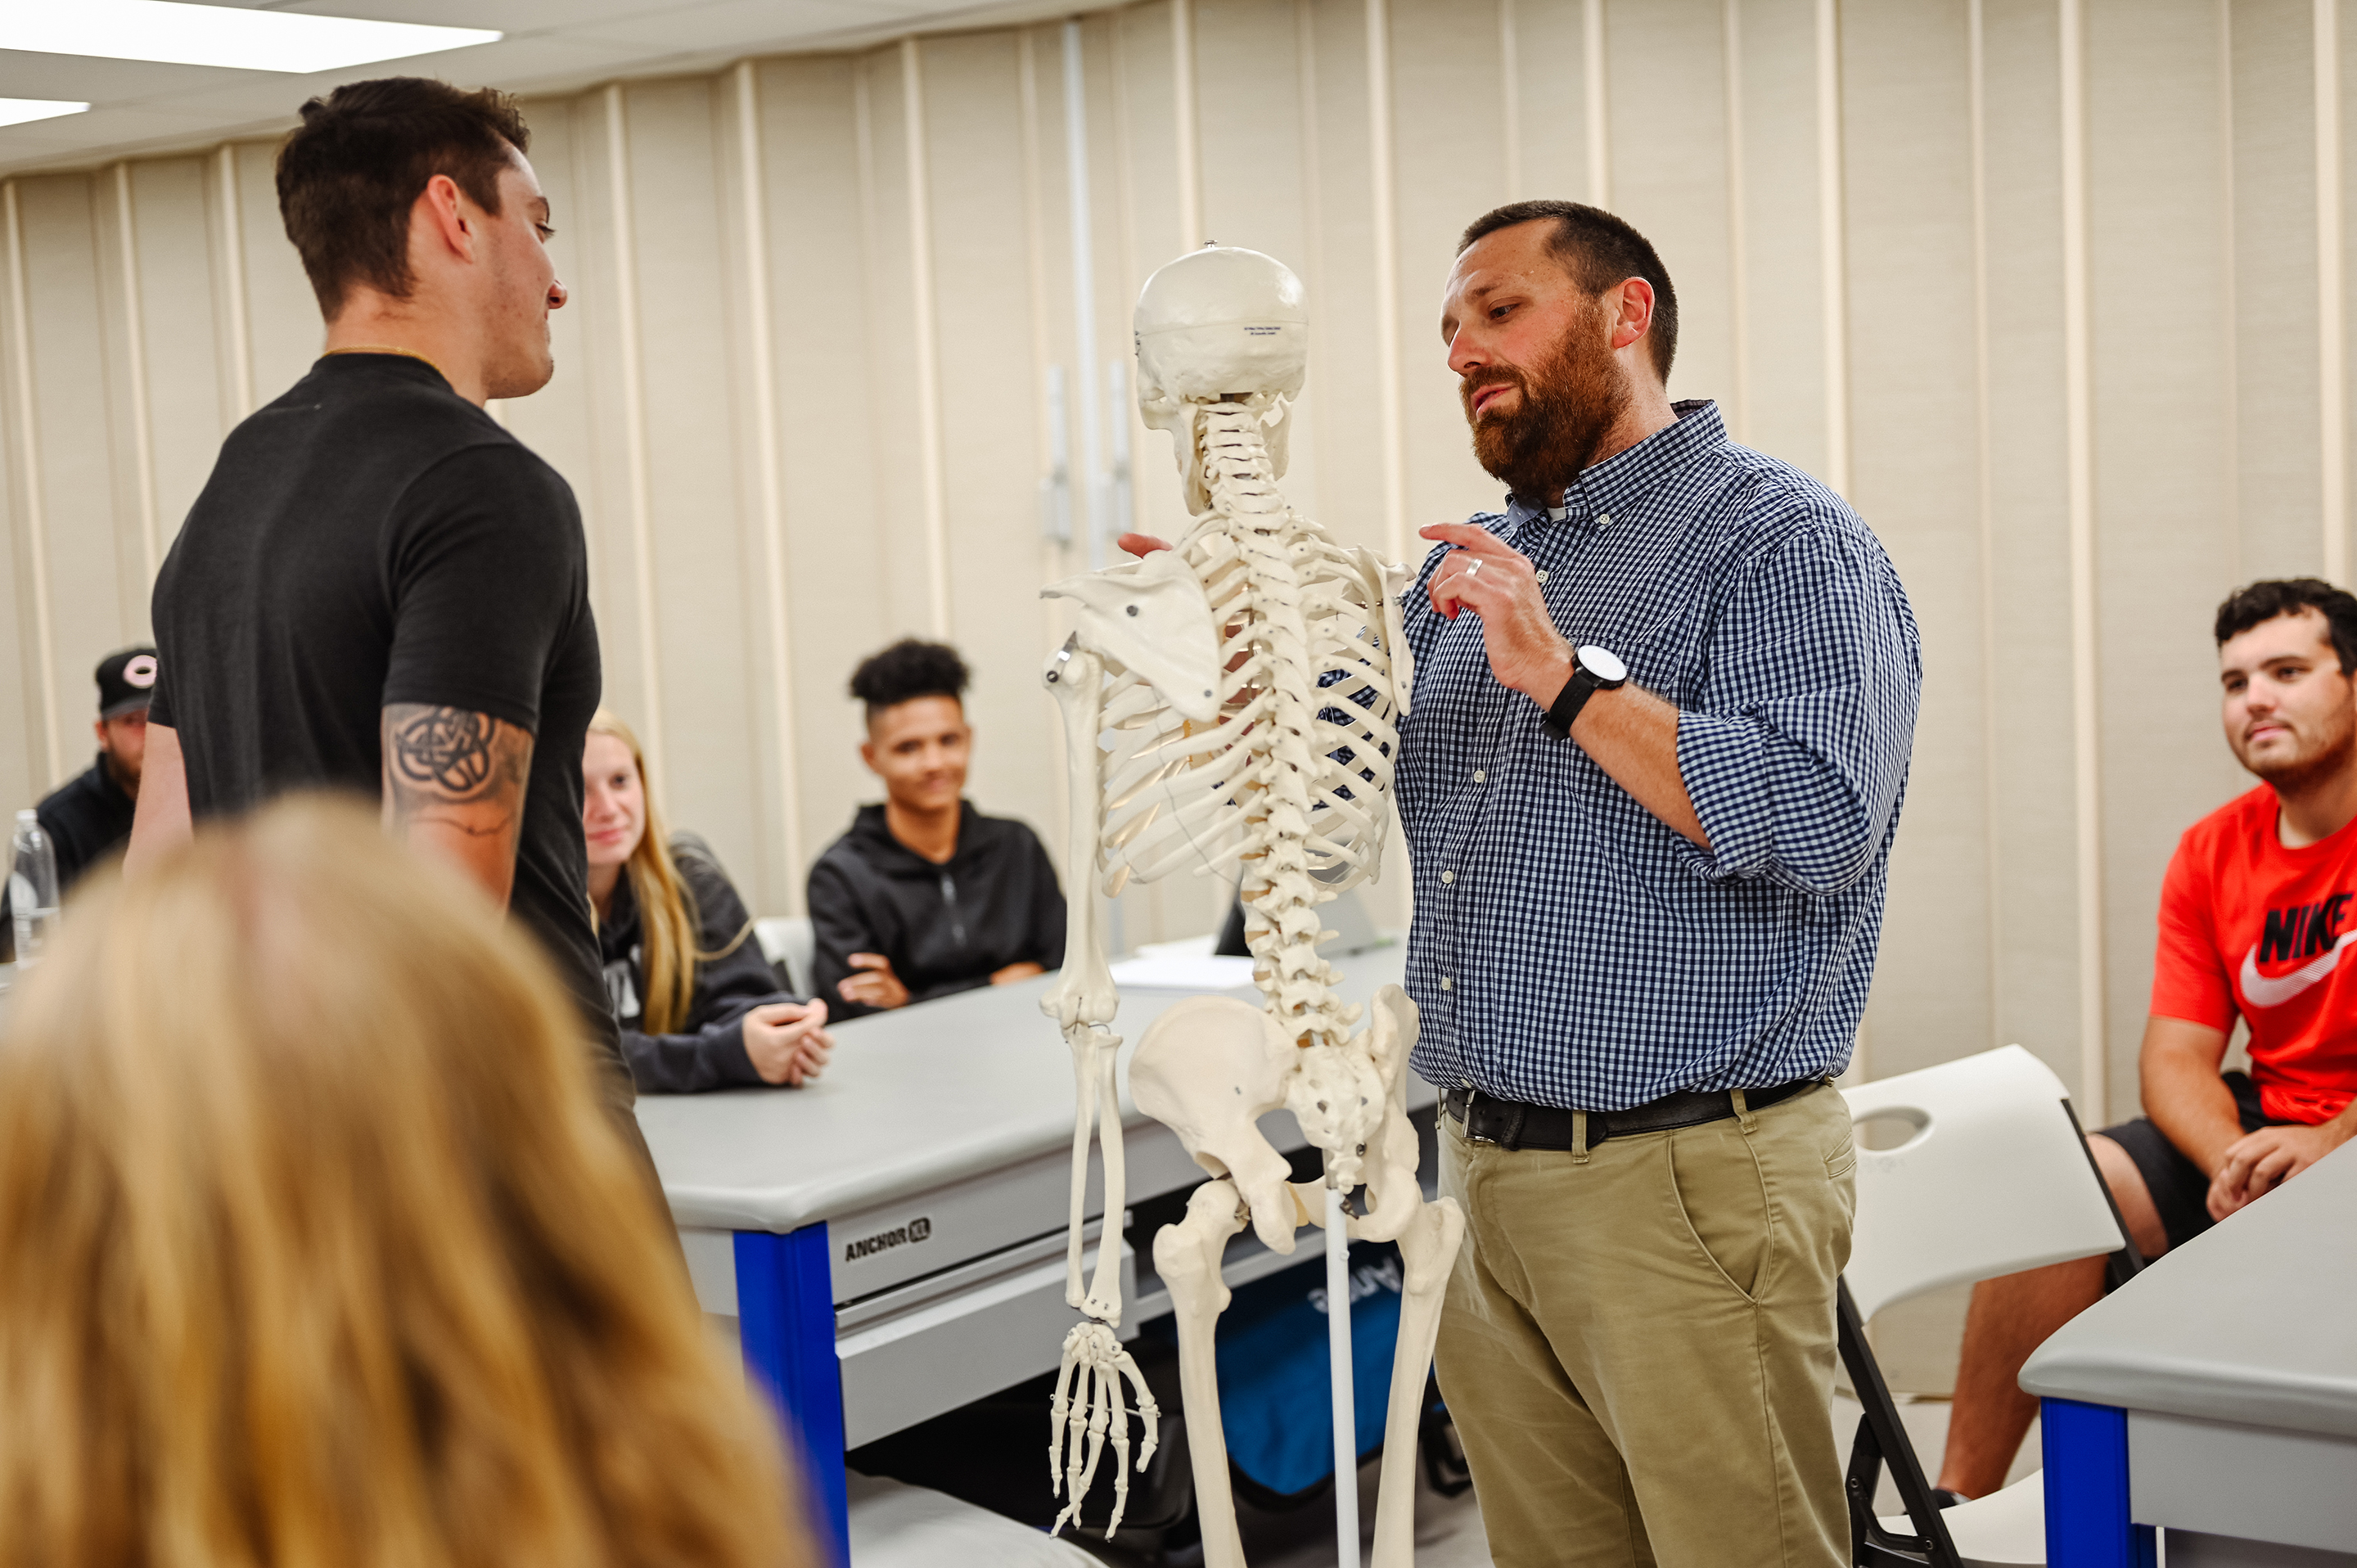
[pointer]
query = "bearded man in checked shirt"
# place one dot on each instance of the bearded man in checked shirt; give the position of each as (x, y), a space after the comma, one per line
(1645, 920)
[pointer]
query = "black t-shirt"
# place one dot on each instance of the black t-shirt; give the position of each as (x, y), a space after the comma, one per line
(374, 537)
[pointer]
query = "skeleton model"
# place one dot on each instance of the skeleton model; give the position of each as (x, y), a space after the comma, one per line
(1232, 702)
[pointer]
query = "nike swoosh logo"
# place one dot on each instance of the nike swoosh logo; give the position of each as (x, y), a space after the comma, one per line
(2259, 991)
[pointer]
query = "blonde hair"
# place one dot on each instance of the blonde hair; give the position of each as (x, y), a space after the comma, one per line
(316, 1248)
(668, 921)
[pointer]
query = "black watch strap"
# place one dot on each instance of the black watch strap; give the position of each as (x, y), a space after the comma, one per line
(1585, 682)
(1564, 712)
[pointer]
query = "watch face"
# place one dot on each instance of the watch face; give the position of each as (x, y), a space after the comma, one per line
(1604, 665)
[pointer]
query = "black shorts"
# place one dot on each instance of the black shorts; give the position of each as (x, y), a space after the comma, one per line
(2179, 1188)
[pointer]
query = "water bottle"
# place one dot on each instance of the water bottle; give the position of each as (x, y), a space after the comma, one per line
(32, 888)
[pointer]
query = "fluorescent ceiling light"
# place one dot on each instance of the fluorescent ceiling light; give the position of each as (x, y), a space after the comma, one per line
(16, 110)
(177, 34)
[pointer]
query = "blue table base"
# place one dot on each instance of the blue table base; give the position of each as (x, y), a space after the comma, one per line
(785, 1315)
(2088, 1524)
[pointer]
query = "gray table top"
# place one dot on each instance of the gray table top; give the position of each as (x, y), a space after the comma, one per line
(913, 1100)
(2254, 1321)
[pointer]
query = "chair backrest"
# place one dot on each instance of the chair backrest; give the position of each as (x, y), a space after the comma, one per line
(1993, 1179)
(792, 940)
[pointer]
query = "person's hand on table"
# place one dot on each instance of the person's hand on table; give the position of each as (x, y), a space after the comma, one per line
(788, 1041)
(1015, 971)
(2257, 1162)
(876, 985)
(1495, 581)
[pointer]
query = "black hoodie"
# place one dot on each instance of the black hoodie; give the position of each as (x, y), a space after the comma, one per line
(709, 1050)
(945, 927)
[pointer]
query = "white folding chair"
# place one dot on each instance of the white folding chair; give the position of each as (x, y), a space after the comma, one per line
(1994, 1176)
(790, 941)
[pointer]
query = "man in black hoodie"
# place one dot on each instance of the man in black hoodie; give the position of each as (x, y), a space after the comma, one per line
(925, 896)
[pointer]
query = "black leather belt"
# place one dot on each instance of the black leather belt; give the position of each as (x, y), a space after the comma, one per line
(1511, 1124)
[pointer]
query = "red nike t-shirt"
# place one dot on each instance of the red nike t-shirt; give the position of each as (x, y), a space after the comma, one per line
(2250, 928)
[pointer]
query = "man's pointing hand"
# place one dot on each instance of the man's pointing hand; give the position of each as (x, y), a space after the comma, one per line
(1497, 582)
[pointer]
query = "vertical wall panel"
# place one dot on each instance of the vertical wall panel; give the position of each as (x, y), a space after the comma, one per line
(1450, 151)
(281, 313)
(2036, 990)
(1907, 119)
(706, 557)
(1550, 129)
(2165, 549)
(997, 559)
(181, 350)
(1783, 326)
(830, 451)
(2274, 278)
(1342, 402)
(1668, 168)
(94, 567)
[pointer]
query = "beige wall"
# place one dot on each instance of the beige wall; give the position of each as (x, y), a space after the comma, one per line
(2041, 289)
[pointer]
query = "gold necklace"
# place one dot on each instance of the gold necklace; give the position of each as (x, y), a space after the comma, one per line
(387, 349)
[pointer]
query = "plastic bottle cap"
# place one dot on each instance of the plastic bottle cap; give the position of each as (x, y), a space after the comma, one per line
(28, 815)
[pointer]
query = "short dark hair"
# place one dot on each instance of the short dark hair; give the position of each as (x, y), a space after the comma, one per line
(907, 671)
(1598, 251)
(350, 174)
(2264, 600)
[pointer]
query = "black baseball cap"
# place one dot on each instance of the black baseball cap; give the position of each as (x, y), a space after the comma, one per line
(125, 681)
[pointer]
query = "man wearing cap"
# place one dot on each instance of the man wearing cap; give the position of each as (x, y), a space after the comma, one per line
(89, 817)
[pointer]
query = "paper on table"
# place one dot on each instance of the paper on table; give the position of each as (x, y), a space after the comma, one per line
(1183, 972)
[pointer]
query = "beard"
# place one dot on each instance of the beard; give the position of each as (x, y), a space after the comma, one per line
(1569, 401)
(2331, 753)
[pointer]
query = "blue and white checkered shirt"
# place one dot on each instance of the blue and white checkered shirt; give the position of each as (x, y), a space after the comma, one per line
(1569, 949)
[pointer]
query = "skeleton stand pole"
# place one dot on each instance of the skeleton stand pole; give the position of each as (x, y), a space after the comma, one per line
(1338, 1357)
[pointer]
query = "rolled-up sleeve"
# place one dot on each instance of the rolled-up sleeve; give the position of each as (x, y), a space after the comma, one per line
(1796, 757)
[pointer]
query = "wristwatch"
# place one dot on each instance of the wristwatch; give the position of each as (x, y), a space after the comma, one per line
(1593, 670)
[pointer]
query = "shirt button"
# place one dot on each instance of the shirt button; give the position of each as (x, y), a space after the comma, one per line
(1446, 877)
(1541, 574)
(1604, 520)
(1447, 983)
(1480, 776)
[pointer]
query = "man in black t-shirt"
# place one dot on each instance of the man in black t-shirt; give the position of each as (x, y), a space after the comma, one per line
(380, 589)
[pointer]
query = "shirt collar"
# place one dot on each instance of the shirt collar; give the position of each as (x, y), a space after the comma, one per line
(1626, 477)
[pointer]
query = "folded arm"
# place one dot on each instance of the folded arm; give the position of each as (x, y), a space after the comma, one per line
(454, 787)
(1796, 766)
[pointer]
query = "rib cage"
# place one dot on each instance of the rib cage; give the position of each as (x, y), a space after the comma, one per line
(1292, 782)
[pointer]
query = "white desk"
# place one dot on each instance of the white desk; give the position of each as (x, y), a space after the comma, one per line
(2215, 1395)
(890, 1241)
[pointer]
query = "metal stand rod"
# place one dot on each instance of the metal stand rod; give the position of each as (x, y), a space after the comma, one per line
(1346, 1409)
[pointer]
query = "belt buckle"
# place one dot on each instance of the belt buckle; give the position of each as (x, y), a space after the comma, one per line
(1470, 1135)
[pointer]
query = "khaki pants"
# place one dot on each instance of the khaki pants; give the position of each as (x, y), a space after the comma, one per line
(1638, 1344)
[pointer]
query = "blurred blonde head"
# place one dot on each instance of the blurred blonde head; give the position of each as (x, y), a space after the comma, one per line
(316, 1248)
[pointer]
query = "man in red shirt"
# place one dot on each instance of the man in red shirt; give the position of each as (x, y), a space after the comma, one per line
(2260, 899)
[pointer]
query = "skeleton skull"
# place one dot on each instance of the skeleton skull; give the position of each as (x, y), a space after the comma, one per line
(1209, 1069)
(1220, 323)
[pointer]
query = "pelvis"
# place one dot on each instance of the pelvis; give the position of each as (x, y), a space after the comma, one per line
(1211, 1067)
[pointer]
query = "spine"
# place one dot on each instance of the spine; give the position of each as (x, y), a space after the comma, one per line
(1282, 925)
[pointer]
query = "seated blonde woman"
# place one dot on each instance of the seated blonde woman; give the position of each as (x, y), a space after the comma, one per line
(699, 1005)
(315, 1246)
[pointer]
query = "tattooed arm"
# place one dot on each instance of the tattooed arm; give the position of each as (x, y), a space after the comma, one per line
(454, 786)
